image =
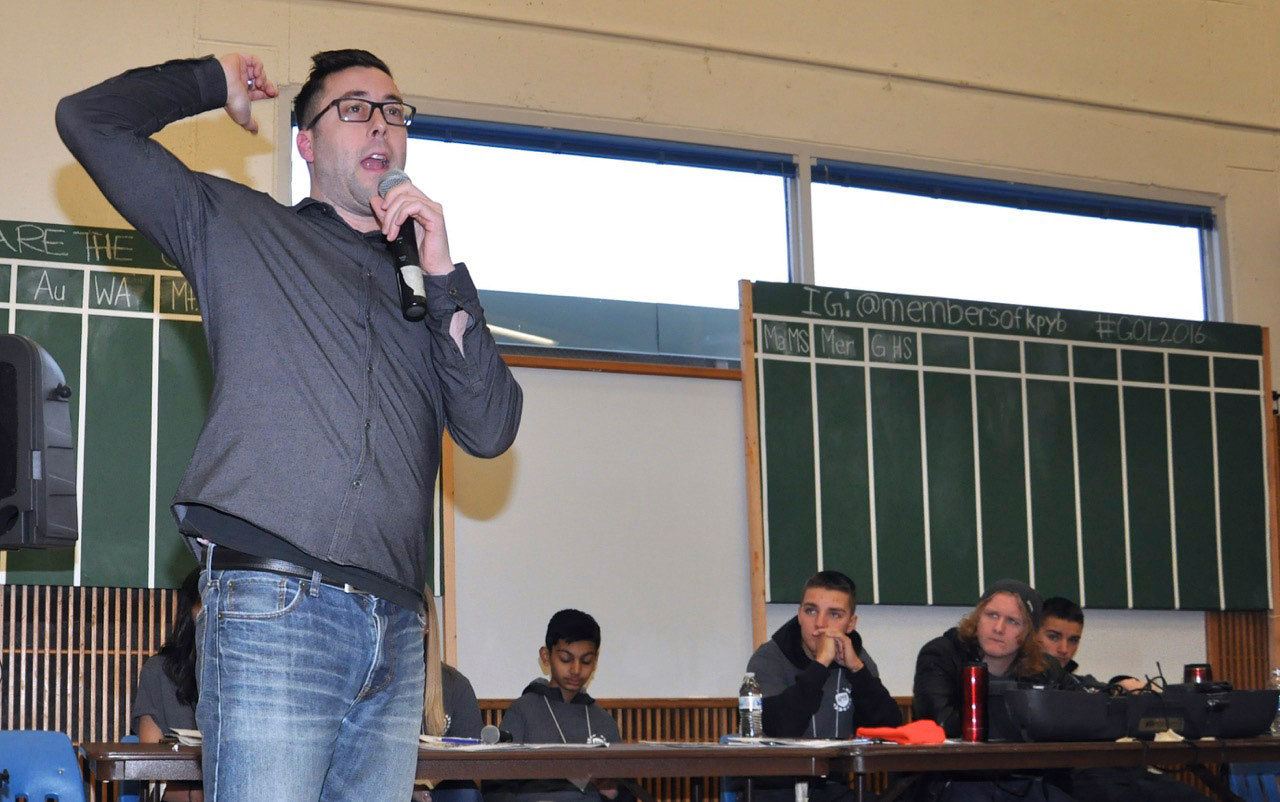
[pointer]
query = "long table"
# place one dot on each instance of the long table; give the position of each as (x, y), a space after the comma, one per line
(157, 763)
(861, 760)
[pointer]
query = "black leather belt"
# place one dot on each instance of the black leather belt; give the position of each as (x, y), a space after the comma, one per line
(225, 559)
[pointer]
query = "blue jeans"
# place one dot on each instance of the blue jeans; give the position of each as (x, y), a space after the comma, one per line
(307, 692)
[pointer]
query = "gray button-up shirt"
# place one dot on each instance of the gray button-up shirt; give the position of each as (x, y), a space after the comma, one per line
(325, 420)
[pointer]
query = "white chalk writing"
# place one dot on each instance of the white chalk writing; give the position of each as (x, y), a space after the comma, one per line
(940, 312)
(101, 247)
(47, 291)
(893, 347)
(178, 297)
(838, 342)
(1150, 331)
(114, 292)
(781, 338)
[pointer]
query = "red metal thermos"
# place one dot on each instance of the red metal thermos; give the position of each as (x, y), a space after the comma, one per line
(973, 696)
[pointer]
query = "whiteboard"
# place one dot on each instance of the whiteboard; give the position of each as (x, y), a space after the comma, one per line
(623, 496)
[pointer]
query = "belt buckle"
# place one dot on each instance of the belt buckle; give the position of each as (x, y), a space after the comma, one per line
(349, 588)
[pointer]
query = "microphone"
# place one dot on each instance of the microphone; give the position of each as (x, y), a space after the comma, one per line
(404, 248)
(491, 735)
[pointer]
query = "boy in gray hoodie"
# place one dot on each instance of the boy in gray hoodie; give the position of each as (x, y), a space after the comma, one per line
(559, 710)
(818, 681)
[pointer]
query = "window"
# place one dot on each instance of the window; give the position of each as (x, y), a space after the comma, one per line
(915, 233)
(604, 243)
(632, 248)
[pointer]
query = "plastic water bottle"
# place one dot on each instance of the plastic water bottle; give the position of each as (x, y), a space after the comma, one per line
(1275, 686)
(750, 707)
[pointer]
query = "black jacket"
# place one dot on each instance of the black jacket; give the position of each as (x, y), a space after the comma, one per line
(803, 698)
(936, 688)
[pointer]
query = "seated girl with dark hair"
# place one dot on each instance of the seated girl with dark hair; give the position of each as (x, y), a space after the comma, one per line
(167, 694)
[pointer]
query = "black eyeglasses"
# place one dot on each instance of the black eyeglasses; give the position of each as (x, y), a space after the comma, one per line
(357, 110)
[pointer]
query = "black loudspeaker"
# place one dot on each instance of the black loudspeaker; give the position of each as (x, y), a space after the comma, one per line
(37, 451)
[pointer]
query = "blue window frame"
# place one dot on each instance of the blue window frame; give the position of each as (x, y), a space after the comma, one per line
(594, 244)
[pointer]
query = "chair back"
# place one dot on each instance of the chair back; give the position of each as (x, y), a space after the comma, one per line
(42, 766)
(1255, 782)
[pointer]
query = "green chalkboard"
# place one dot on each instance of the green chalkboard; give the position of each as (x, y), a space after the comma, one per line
(928, 446)
(124, 326)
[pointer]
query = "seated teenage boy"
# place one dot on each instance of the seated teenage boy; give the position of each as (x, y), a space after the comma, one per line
(559, 710)
(1060, 636)
(818, 681)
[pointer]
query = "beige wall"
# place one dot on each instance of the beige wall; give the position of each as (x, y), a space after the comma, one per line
(1171, 99)
(1164, 98)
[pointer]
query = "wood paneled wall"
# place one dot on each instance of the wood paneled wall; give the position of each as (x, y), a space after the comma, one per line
(1236, 647)
(70, 657)
(659, 720)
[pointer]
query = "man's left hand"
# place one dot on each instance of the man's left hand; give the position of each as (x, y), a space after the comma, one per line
(405, 201)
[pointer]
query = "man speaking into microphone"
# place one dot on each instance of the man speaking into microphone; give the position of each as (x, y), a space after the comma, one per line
(309, 494)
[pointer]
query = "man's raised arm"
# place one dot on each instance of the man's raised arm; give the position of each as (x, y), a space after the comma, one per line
(108, 129)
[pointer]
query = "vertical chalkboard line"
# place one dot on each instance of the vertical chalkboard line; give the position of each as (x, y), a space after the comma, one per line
(1026, 469)
(977, 471)
(1075, 472)
(924, 479)
(1124, 482)
(84, 387)
(764, 458)
(1217, 487)
(871, 472)
(1173, 490)
(817, 451)
(13, 320)
(155, 431)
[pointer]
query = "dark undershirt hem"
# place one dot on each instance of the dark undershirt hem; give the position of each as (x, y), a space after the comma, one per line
(223, 529)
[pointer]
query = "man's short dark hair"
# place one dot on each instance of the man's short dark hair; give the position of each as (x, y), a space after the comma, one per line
(572, 626)
(1067, 610)
(834, 580)
(324, 64)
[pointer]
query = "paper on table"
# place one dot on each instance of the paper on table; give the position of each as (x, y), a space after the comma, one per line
(439, 740)
(679, 744)
(810, 743)
(435, 741)
(592, 745)
(188, 737)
